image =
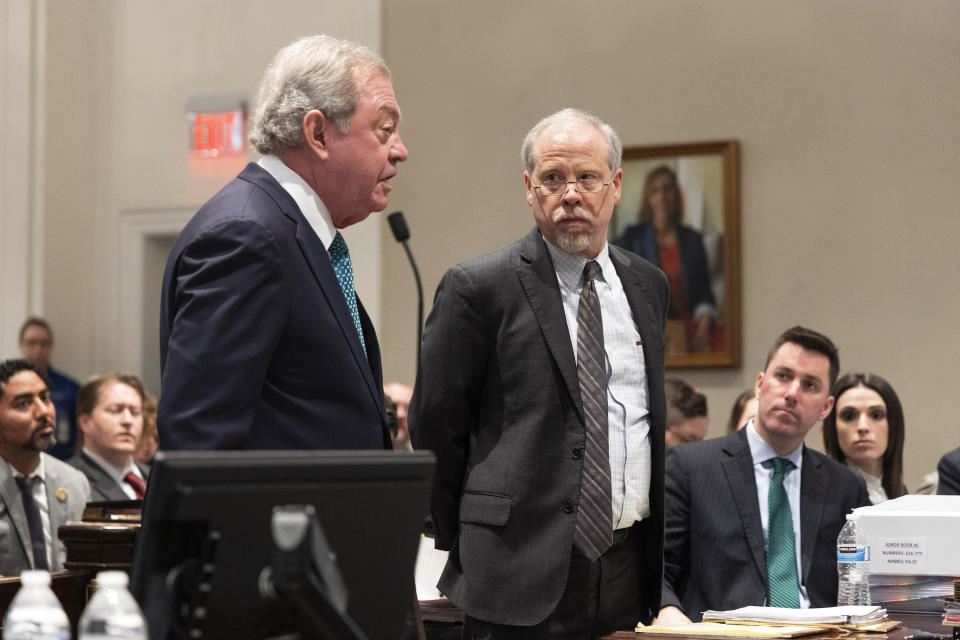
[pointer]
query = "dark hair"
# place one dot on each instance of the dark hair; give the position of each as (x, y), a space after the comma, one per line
(892, 479)
(734, 422)
(811, 341)
(683, 401)
(10, 368)
(34, 321)
(646, 212)
(89, 395)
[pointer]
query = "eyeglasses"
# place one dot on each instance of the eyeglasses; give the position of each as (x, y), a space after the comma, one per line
(588, 183)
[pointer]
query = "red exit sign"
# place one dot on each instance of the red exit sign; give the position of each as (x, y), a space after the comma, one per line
(216, 126)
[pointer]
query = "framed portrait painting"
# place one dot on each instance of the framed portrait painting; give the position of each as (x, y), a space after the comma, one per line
(680, 209)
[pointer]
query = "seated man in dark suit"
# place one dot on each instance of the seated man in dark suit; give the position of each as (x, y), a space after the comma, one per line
(110, 413)
(948, 472)
(38, 493)
(753, 518)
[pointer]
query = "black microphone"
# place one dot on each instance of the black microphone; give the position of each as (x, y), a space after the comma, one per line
(398, 226)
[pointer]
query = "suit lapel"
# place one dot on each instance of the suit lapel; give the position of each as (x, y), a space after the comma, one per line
(319, 260)
(57, 503)
(538, 277)
(638, 296)
(10, 493)
(812, 500)
(737, 465)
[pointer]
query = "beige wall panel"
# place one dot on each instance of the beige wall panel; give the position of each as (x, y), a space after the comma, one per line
(120, 73)
(847, 117)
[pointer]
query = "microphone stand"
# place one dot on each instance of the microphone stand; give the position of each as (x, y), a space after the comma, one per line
(398, 226)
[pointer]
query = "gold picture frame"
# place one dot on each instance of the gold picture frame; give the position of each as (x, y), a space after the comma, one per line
(691, 230)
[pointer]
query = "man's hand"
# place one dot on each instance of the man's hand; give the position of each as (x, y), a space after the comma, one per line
(671, 615)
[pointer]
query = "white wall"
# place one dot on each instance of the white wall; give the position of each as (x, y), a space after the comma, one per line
(118, 178)
(846, 111)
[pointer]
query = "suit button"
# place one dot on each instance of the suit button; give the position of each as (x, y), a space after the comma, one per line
(577, 453)
(568, 507)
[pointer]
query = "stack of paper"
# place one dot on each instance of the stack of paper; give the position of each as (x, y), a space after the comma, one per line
(847, 615)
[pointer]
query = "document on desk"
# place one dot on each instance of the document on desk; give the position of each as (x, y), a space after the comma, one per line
(718, 629)
(846, 615)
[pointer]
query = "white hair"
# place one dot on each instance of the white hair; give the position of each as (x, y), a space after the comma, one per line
(312, 73)
(566, 116)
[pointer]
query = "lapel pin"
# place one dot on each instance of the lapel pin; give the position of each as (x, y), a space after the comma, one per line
(640, 342)
(61, 494)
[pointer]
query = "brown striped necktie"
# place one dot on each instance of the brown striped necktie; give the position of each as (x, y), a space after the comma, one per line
(594, 531)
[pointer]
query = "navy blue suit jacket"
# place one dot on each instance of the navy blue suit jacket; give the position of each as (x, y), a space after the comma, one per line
(257, 346)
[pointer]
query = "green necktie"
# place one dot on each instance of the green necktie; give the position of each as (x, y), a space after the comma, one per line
(782, 585)
(343, 268)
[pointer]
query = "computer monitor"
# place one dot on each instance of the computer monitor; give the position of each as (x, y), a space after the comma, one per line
(206, 538)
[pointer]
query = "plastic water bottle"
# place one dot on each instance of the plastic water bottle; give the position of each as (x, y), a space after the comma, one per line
(112, 613)
(853, 565)
(35, 613)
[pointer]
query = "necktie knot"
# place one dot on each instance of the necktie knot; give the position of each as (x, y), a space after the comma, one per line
(590, 271)
(781, 466)
(139, 489)
(26, 484)
(338, 248)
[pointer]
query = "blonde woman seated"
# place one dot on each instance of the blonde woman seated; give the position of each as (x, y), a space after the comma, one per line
(865, 430)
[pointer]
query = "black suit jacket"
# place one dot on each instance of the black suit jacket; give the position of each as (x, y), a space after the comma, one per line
(497, 399)
(257, 345)
(102, 485)
(715, 556)
(948, 474)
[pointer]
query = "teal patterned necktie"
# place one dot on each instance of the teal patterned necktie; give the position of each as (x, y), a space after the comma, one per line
(340, 258)
(782, 585)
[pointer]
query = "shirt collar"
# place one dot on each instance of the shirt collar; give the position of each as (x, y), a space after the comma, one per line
(38, 472)
(761, 452)
(569, 266)
(311, 206)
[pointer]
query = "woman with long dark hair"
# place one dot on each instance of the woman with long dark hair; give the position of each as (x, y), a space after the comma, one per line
(865, 430)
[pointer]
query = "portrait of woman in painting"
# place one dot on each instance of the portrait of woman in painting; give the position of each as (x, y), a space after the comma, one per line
(661, 237)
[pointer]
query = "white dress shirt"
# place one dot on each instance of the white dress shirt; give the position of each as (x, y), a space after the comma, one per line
(311, 206)
(627, 399)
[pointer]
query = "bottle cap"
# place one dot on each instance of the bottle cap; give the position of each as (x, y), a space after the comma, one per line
(113, 579)
(35, 578)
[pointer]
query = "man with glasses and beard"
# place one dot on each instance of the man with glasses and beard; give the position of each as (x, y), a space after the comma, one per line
(541, 393)
(38, 493)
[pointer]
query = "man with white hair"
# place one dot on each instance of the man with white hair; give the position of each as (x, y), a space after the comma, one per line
(541, 393)
(264, 343)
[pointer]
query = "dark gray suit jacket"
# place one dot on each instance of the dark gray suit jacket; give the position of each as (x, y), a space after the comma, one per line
(497, 399)
(102, 485)
(67, 494)
(948, 473)
(714, 555)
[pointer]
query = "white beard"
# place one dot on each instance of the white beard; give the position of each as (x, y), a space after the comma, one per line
(574, 242)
